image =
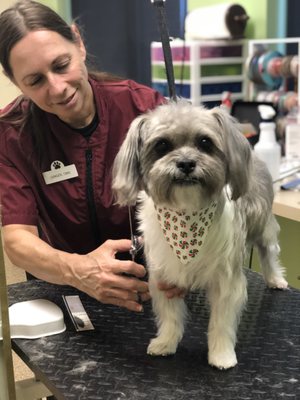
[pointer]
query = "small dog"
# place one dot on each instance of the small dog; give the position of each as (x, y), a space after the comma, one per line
(204, 200)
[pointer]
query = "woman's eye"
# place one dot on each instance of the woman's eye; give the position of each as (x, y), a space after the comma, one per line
(61, 64)
(35, 81)
(163, 147)
(61, 67)
(205, 144)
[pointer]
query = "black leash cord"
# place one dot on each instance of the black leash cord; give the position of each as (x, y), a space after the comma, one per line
(165, 39)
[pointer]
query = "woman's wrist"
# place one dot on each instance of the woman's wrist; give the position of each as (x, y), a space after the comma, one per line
(68, 266)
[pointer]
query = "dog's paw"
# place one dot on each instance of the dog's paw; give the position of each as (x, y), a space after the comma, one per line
(277, 283)
(222, 360)
(159, 347)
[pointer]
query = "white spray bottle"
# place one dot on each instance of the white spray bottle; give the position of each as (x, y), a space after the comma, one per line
(267, 148)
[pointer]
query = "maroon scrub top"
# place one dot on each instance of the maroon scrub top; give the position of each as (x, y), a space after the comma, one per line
(76, 214)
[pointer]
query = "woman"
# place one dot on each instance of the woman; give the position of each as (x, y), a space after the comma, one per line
(57, 145)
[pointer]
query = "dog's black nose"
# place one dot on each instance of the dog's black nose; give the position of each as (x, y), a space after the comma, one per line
(186, 166)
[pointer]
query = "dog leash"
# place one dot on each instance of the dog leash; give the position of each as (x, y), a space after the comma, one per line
(165, 40)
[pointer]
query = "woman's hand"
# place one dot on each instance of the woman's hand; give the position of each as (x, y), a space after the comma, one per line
(110, 280)
(99, 273)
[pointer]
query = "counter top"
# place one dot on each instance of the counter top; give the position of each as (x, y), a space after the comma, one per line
(287, 204)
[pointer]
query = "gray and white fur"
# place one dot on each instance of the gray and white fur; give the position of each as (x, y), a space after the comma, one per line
(185, 157)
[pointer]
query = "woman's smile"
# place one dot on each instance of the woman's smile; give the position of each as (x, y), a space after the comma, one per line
(69, 101)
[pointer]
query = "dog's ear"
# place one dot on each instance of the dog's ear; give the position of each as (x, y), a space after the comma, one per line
(238, 153)
(126, 182)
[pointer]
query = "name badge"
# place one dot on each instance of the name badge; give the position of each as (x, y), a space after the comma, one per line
(59, 172)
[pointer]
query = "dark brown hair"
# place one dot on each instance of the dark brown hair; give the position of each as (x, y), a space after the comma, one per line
(15, 23)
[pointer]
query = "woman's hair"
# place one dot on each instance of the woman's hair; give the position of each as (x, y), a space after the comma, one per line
(15, 23)
(26, 16)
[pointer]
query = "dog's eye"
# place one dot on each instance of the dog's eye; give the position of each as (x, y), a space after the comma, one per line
(205, 144)
(162, 147)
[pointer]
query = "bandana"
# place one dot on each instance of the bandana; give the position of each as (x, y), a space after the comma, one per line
(186, 231)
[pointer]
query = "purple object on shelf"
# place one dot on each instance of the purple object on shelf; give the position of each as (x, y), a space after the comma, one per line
(179, 53)
(220, 51)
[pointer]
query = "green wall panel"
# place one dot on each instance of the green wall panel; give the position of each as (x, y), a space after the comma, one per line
(62, 7)
(289, 240)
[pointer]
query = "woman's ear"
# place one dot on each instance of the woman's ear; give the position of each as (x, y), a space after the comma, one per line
(79, 41)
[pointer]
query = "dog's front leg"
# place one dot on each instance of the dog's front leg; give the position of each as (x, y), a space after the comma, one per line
(170, 317)
(227, 297)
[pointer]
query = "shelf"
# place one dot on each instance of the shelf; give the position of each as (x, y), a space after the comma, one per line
(205, 61)
(205, 69)
(221, 79)
(222, 61)
(218, 97)
(210, 79)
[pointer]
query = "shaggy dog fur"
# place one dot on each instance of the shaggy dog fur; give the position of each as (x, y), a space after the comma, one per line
(180, 161)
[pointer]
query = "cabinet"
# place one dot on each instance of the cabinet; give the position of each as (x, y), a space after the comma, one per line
(203, 70)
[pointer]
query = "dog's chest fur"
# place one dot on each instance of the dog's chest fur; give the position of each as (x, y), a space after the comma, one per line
(214, 256)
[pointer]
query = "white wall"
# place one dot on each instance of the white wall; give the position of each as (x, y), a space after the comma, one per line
(7, 90)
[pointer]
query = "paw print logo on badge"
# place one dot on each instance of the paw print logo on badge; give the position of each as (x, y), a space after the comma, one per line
(57, 165)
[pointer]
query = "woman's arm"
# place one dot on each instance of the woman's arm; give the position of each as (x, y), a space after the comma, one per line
(99, 273)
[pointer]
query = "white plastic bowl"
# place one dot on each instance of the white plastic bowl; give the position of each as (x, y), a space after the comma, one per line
(34, 319)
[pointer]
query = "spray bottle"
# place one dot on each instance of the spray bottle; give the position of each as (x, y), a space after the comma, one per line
(267, 148)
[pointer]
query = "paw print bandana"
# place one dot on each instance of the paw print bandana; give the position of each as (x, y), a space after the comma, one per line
(186, 231)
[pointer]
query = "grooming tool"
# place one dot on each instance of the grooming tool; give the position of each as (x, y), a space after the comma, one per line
(136, 244)
(291, 185)
(78, 315)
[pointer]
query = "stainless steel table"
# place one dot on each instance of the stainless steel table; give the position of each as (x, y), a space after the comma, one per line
(111, 363)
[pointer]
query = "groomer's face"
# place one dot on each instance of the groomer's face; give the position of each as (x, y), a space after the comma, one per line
(51, 71)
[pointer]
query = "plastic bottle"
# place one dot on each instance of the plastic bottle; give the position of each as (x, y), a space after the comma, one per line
(267, 148)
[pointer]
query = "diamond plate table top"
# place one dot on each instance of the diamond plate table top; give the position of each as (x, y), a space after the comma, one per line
(111, 363)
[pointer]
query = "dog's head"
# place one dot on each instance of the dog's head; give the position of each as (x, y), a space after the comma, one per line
(182, 154)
